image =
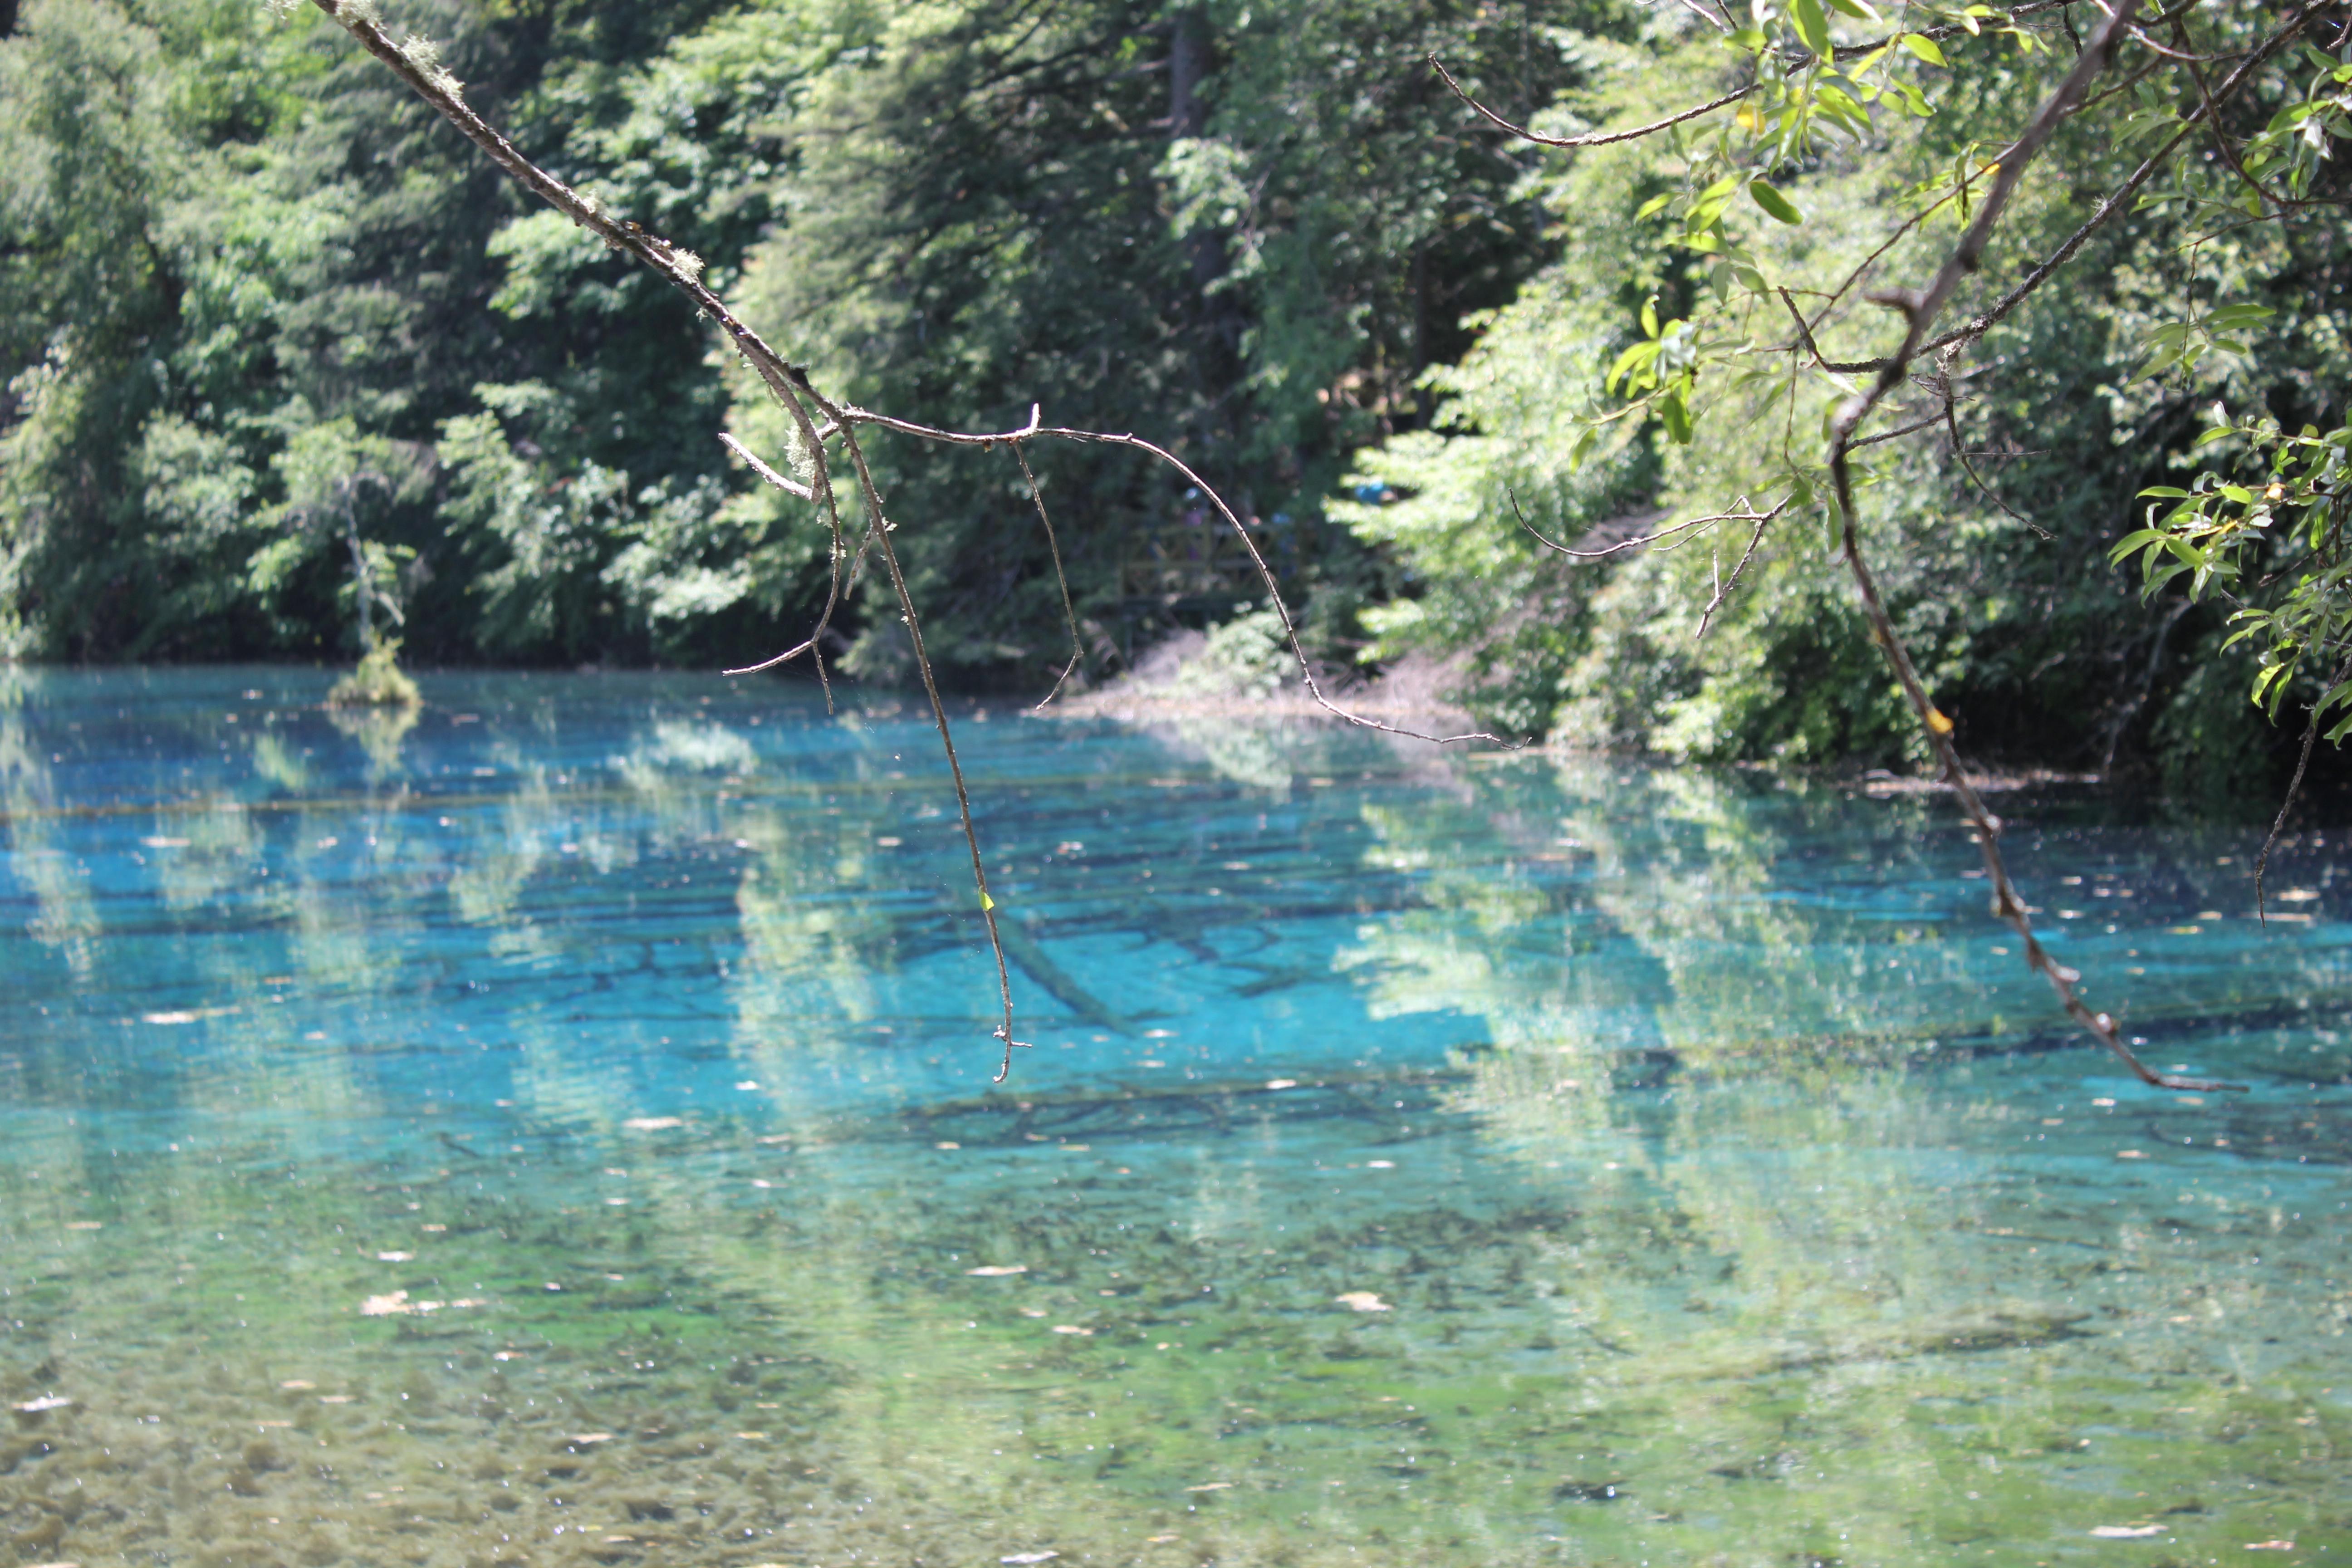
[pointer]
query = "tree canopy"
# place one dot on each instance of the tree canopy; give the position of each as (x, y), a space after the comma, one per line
(1480, 370)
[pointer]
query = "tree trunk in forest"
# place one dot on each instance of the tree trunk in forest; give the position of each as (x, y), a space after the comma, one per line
(1188, 118)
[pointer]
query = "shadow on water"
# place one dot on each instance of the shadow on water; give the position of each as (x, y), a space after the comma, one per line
(560, 1133)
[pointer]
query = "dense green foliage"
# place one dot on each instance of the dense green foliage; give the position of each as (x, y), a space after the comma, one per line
(288, 353)
(263, 307)
(1654, 370)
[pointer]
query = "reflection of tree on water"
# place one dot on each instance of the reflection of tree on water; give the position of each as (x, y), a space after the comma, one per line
(1714, 1015)
(815, 929)
(1661, 950)
(65, 919)
(379, 730)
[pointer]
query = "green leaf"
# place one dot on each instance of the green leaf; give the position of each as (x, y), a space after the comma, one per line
(1635, 361)
(1677, 414)
(1583, 447)
(1839, 104)
(1857, 69)
(1656, 203)
(1774, 202)
(1650, 317)
(1924, 47)
(1856, 8)
(1709, 204)
(1811, 27)
(2230, 318)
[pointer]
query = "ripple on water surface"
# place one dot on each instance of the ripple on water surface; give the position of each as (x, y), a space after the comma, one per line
(558, 1130)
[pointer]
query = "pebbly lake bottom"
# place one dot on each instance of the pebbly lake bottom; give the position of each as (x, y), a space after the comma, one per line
(1782, 1323)
(556, 1134)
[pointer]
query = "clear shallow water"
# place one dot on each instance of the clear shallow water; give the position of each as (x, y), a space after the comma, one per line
(560, 1132)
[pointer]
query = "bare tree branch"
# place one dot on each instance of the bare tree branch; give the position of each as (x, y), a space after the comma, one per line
(2294, 789)
(788, 382)
(1257, 557)
(790, 487)
(1598, 138)
(1723, 587)
(1746, 514)
(1069, 612)
(1921, 309)
(1960, 450)
(2117, 200)
(414, 63)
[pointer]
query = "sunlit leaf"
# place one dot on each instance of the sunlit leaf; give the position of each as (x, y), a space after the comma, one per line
(1774, 202)
(1675, 413)
(1812, 27)
(1924, 47)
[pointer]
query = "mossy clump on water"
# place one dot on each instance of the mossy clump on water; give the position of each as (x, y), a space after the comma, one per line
(378, 682)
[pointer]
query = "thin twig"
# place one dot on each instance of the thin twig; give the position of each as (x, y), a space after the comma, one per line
(1704, 15)
(2117, 201)
(790, 487)
(1797, 60)
(1804, 328)
(1598, 138)
(1921, 309)
(1959, 450)
(1257, 557)
(882, 531)
(2294, 789)
(1723, 589)
(1069, 612)
(1743, 515)
(838, 585)
(1917, 425)
(2263, 197)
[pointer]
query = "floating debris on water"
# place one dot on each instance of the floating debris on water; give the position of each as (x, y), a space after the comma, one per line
(397, 1304)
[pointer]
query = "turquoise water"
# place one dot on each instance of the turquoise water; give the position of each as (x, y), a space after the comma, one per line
(558, 1130)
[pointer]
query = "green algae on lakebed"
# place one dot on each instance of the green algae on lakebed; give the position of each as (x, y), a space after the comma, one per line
(733, 1352)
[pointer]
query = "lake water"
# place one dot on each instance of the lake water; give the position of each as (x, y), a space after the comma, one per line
(559, 1131)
